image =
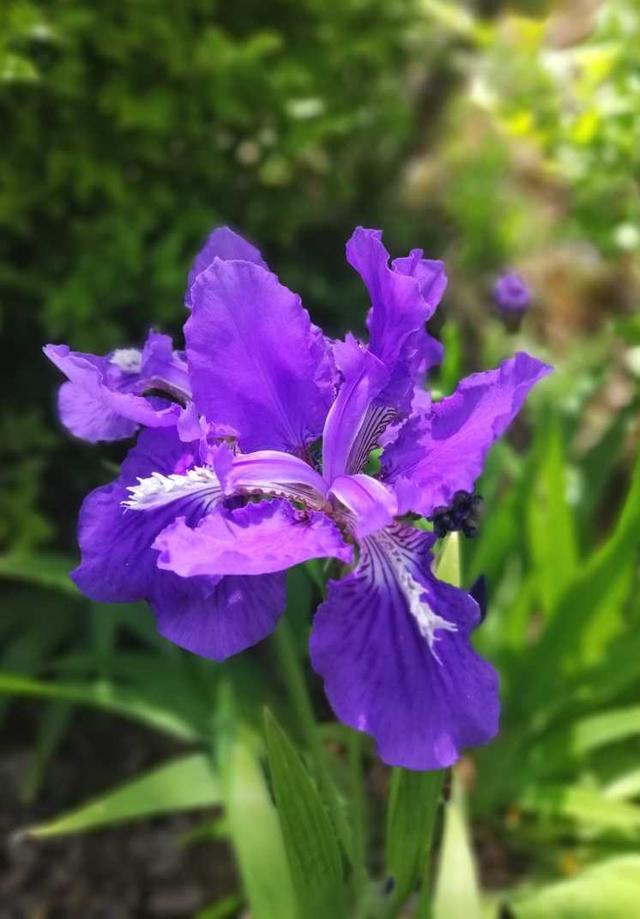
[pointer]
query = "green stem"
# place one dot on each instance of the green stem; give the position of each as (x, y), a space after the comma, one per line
(359, 810)
(299, 697)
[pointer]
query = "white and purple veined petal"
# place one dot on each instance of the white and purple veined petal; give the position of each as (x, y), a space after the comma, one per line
(266, 473)
(212, 616)
(256, 361)
(391, 643)
(442, 452)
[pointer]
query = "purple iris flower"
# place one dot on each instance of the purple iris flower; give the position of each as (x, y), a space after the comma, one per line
(108, 397)
(512, 297)
(264, 468)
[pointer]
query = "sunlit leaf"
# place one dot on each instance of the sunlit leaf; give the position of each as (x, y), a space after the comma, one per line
(610, 890)
(183, 784)
(253, 824)
(585, 806)
(456, 888)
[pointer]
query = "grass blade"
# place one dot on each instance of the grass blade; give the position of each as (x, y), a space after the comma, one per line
(182, 784)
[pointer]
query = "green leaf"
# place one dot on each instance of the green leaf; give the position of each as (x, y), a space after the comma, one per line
(585, 806)
(311, 845)
(586, 616)
(103, 694)
(42, 569)
(448, 564)
(53, 722)
(456, 891)
(251, 817)
(566, 745)
(255, 832)
(183, 784)
(414, 799)
(624, 786)
(610, 890)
(551, 526)
(222, 909)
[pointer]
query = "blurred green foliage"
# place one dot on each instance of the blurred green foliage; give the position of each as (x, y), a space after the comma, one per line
(130, 130)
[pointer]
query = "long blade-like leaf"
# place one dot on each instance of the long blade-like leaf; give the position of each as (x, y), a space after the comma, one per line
(456, 892)
(309, 838)
(103, 694)
(413, 806)
(182, 784)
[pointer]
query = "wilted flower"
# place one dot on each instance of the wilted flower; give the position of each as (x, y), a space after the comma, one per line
(512, 297)
(262, 466)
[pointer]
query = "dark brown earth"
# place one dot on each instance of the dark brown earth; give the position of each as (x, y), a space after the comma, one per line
(134, 871)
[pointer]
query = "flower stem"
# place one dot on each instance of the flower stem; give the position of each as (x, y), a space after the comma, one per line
(299, 696)
(359, 812)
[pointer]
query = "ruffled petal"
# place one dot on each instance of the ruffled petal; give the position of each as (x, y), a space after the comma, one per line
(403, 297)
(211, 616)
(256, 361)
(163, 368)
(438, 454)
(392, 645)
(429, 273)
(353, 425)
(255, 539)
(226, 245)
(103, 400)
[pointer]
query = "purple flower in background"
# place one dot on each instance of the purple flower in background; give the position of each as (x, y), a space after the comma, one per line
(108, 398)
(262, 466)
(512, 298)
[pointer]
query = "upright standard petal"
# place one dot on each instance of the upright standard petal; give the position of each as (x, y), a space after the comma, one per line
(438, 454)
(403, 297)
(211, 616)
(353, 425)
(225, 244)
(255, 539)
(392, 645)
(103, 400)
(256, 361)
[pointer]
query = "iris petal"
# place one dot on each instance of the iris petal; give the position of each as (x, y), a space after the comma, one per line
(403, 296)
(212, 616)
(392, 645)
(103, 398)
(256, 361)
(442, 452)
(225, 244)
(256, 539)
